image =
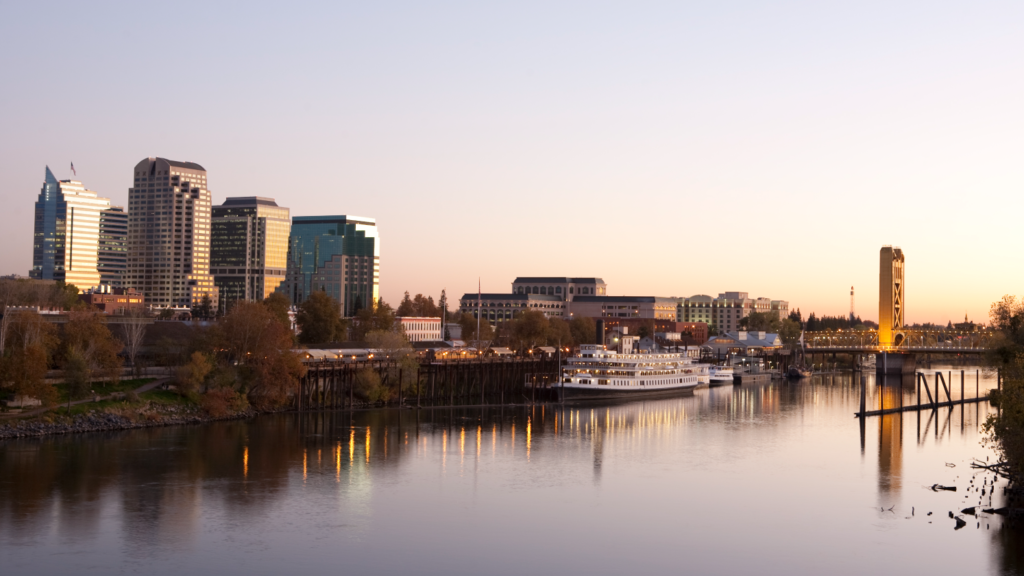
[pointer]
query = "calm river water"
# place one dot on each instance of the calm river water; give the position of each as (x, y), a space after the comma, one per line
(770, 479)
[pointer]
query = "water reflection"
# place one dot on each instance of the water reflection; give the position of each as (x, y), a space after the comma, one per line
(158, 490)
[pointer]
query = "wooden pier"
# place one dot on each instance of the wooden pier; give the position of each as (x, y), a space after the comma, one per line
(934, 402)
(333, 384)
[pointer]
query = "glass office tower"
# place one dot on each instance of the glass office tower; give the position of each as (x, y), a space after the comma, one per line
(65, 245)
(339, 255)
(113, 246)
(249, 248)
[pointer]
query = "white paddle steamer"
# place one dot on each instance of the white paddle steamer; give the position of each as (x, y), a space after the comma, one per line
(596, 372)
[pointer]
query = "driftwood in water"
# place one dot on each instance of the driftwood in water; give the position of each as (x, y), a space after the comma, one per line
(937, 487)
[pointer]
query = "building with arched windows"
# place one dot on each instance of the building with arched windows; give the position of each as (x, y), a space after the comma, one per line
(564, 289)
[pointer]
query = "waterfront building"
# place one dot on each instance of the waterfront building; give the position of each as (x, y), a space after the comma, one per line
(744, 343)
(113, 246)
(727, 309)
(248, 248)
(890, 296)
(169, 234)
(339, 255)
(653, 307)
(65, 244)
(111, 300)
(420, 329)
(564, 288)
(496, 308)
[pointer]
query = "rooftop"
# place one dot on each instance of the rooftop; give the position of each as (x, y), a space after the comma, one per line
(556, 280)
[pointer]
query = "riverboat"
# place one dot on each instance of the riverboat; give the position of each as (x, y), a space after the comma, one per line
(721, 375)
(597, 373)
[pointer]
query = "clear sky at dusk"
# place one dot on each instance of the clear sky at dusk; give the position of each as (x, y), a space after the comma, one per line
(671, 148)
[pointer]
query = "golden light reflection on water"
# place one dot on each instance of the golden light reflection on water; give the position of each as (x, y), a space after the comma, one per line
(529, 429)
(351, 446)
(337, 462)
(305, 466)
(245, 462)
(479, 433)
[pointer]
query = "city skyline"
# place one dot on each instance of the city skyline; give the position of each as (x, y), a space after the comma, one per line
(788, 149)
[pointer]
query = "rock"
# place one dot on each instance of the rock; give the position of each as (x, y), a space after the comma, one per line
(968, 511)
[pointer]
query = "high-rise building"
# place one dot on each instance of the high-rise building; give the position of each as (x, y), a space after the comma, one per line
(169, 234)
(249, 248)
(890, 295)
(67, 228)
(113, 246)
(339, 255)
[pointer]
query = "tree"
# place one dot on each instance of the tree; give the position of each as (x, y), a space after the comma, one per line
(559, 333)
(191, 376)
(259, 346)
(86, 334)
(789, 331)
(761, 322)
(529, 328)
(166, 314)
(319, 319)
(468, 324)
(396, 351)
(1006, 428)
(133, 328)
(380, 317)
(30, 344)
(205, 309)
(279, 306)
(584, 330)
(76, 373)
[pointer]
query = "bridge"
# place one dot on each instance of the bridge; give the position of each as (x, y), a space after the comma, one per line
(905, 341)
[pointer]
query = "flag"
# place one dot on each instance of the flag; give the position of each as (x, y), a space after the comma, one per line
(73, 169)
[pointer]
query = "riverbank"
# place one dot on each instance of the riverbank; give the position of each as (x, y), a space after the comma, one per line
(150, 409)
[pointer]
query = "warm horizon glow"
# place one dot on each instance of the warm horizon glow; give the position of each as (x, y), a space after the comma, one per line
(670, 149)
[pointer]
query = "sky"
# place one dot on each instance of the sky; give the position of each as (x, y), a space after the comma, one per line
(670, 148)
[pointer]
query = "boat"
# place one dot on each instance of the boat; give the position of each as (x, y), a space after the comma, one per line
(797, 372)
(598, 373)
(721, 375)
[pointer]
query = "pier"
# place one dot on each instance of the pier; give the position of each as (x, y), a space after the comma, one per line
(935, 400)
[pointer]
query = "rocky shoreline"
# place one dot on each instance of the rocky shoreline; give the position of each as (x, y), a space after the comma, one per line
(107, 421)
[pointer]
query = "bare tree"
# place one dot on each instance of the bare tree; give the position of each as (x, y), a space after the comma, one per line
(134, 326)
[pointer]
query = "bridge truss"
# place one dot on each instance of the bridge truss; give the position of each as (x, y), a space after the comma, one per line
(905, 341)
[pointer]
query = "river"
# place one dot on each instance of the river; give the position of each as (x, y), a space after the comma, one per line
(770, 479)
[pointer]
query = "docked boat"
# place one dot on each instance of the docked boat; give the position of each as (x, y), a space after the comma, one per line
(596, 373)
(721, 375)
(797, 372)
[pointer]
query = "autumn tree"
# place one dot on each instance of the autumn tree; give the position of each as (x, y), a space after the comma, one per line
(761, 322)
(31, 342)
(482, 340)
(319, 319)
(279, 305)
(257, 343)
(87, 334)
(192, 375)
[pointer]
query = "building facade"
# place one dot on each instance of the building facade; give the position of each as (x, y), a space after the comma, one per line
(65, 244)
(339, 255)
(564, 288)
(653, 307)
(113, 246)
(110, 300)
(420, 329)
(169, 234)
(248, 248)
(496, 308)
(890, 295)
(725, 311)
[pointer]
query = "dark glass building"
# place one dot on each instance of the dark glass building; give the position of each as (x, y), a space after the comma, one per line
(339, 255)
(113, 246)
(249, 248)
